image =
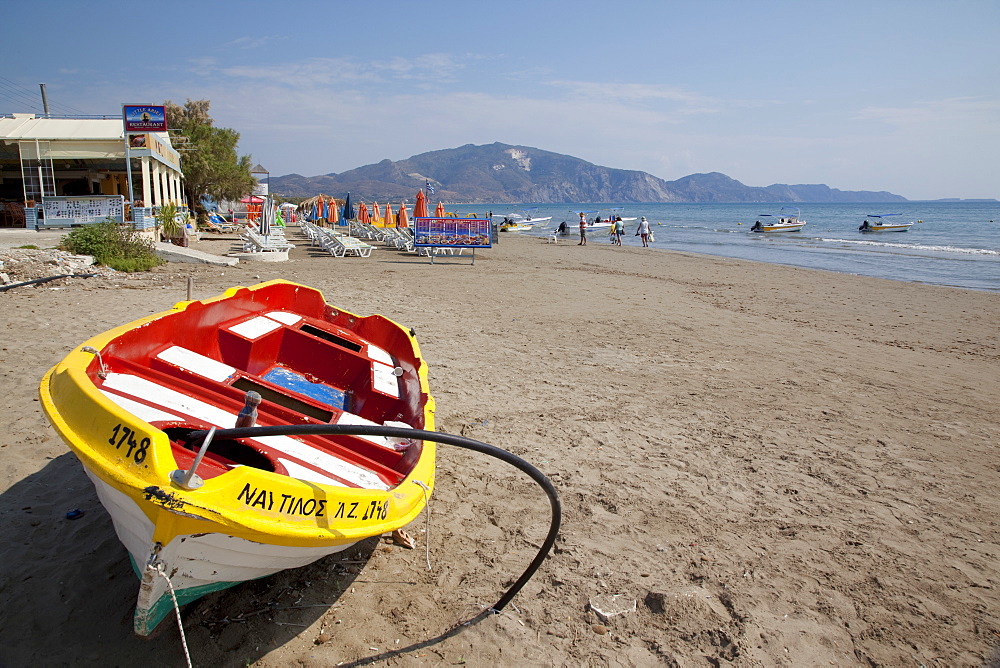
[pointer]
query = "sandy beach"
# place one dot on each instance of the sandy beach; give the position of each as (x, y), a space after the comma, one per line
(761, 465)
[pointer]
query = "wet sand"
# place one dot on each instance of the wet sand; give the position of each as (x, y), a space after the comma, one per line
(777, 466)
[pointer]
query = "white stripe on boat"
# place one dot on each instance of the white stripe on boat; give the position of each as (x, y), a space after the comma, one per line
(303, 473)
(351, 418)
(205, 367)
(380, 355)
(141, 411)
(384, 380)
(174, 400)
(284, 317)
(255, 327)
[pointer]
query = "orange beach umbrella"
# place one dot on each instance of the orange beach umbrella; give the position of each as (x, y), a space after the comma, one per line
(420, 208)
(388, 215)
(376, 214)
(439, 211)
(402, 220)
(363, 214)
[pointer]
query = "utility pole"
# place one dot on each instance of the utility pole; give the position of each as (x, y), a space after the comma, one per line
(45, 100)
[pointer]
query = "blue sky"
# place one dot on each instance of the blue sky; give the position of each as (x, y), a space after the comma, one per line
(897, 96)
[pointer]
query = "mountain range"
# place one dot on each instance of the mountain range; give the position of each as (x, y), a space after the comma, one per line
(501, 173)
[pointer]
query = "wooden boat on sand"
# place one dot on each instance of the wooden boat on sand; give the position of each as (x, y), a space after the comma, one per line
(199, 515)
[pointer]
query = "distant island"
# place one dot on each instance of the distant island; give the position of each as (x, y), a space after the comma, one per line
(501, 173)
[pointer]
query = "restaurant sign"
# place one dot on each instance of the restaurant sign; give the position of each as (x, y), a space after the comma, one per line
(452, 232)
(142, 118)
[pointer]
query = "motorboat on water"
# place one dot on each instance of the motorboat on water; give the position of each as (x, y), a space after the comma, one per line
(879, 223)
(511, 226)
(520, 222)
(531, 216)
(784, 221)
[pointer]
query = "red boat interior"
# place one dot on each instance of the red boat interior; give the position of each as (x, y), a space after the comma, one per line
(310, 364)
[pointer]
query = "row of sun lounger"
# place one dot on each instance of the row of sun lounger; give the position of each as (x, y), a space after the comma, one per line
(335, 243)
(393, 237)
(254, 242)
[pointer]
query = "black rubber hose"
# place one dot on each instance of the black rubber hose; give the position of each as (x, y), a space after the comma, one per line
(5, 288)
(194, 439)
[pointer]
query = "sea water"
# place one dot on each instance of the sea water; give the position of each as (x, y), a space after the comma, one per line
(950, 243)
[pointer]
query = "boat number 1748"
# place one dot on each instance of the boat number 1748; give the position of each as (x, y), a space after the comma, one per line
(122, 436)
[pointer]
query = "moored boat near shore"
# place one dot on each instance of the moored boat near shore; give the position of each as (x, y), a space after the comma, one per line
(785, 221)
(882, 223)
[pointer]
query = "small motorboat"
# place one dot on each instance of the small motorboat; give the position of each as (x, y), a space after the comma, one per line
(883, 223)
(785, 221)
(139, 406)
(509, 225)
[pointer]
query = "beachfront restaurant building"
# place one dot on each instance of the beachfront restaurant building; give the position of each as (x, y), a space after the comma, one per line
(65, 171)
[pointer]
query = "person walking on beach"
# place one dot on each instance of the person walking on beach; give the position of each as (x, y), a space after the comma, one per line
(619, 228)
(583, 229)
(643, 231)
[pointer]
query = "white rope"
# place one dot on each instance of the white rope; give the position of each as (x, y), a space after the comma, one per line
(177, 611)
(427, 523)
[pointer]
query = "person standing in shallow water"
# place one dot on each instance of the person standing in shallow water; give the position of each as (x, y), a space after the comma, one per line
(583, 230)
(643, 231)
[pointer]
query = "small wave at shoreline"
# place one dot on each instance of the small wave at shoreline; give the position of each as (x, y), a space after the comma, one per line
(917, 247)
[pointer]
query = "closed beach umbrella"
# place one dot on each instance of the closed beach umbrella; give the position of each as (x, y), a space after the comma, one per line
(420, 208)
(388, 222)
(349, 213)
(363, 214)
(266, 218)
(321, 209)
(439, 211)
(376, 215)
(402, 220)
(312, 212)
(334, 212)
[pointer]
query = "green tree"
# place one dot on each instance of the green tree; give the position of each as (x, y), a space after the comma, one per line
(209, 159)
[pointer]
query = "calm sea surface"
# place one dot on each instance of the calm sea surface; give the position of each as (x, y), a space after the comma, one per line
(951, 243)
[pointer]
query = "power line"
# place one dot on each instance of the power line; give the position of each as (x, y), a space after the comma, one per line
(16, 93)
(23, 96)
